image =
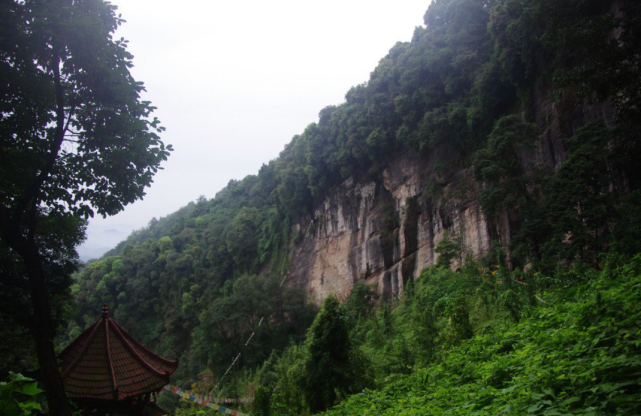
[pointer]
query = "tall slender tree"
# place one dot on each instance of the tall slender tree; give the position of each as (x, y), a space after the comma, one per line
(333, 367)
(75, 139)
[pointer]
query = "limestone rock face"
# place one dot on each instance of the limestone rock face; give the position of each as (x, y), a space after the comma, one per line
(382, 227)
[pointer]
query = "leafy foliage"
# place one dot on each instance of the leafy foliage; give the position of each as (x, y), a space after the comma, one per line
(576, 353)
(448, 250)
(332, 368)
(487, 87)
(580, 202)
(75, 137)
(18, 396)
(498, 165)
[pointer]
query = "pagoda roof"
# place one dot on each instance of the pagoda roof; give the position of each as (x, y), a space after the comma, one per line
(105, 362)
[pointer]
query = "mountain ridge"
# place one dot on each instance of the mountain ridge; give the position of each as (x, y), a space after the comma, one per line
(491, 135)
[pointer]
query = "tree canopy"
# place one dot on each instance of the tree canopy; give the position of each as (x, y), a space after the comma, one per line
(537, 98)
(76, 138)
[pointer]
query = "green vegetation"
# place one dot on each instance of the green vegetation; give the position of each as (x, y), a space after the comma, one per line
(448, 251)
(539, 99)
(75, 138)
(572, 348)
(332, 368)
(468, 91)
(316, 374)
(477, 341)
(18, 396)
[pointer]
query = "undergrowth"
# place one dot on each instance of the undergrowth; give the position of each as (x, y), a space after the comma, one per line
(562, 345)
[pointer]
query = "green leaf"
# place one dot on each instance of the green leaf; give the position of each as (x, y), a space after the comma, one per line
(30, 406)
(570, 401)
(18, 377)
(31, 389)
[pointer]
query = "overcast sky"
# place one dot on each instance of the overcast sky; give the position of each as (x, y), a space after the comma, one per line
(234, 81)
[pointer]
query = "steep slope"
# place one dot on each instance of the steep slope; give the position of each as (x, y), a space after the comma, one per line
(574, 353)
(505, 129)
(384, 227)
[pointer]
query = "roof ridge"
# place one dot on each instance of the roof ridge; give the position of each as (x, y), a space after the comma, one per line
(135, 353)
(137, 343)
(109, 360)
(84, 350)
(75, 341)
(98, 367)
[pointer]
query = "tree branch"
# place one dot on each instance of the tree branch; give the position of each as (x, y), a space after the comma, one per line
(31, 195)
(66, 129)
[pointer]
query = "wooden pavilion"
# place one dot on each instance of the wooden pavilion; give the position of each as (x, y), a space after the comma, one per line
(105, 371)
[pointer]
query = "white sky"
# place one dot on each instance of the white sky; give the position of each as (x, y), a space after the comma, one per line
(234, 81)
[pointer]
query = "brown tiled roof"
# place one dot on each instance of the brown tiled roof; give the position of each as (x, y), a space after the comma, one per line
(105, 362)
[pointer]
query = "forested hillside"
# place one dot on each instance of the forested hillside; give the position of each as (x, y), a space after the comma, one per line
(479, 89)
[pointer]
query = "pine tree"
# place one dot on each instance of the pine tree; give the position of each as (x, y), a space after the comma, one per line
(332, 368)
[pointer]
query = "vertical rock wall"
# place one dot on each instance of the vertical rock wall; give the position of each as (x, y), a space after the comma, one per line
(382, 229)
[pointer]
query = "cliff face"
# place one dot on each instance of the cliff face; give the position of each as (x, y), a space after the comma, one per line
(382, 229)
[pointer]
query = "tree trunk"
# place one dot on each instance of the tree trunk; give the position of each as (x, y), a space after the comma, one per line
(43, 332)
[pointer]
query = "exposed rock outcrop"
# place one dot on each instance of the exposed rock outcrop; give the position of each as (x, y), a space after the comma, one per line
(383, 228)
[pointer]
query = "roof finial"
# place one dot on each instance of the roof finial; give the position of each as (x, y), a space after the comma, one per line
(105, 310)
